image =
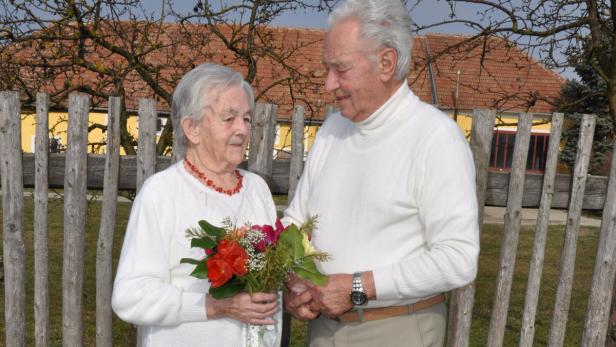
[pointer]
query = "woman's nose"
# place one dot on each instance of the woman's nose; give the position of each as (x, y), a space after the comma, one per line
(241, 126)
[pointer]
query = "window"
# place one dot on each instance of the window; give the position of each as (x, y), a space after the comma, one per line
(503, 143)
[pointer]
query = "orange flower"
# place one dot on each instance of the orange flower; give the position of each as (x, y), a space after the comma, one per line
(219, 271)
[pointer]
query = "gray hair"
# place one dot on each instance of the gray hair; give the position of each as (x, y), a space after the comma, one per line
(385, 22)
(194, 94)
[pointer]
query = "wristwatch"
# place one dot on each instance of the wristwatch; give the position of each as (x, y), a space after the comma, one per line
(358, 296)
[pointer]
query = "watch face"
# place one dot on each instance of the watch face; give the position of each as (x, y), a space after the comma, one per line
(358, 298)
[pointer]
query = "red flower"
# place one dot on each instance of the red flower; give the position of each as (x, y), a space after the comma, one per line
(218, 270)
(235, 255)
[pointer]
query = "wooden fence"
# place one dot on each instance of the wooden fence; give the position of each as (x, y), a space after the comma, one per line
(76, 171)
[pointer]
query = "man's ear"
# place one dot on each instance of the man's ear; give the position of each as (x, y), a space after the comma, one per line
(191, 129)
(388, 58)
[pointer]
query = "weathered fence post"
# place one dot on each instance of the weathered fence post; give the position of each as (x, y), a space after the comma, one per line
(297, 150)
(104, 247)
(598, 311)
(462, 299)
(262, 137)
(567, 257)
(14, 251)
(177, 151)
(146, 151)
(527, 332)
(513, 220)
(41, 241)
(329, 110)
(74, 220)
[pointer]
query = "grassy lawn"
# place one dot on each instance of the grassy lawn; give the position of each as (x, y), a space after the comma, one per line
(488, 267)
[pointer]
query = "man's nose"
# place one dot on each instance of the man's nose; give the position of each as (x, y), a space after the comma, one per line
(331, 81)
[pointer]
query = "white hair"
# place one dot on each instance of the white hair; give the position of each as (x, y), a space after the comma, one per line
(384, 22)
(194, 94)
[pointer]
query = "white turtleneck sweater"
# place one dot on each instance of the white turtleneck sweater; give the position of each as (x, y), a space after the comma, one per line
(394, 194)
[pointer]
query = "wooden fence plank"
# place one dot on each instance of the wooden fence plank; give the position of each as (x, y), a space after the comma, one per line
(513, 220)
(594, 198)
(262, 137)
(330, 109)
(41, 241)
(496, 194)
(74, 220)
(598, 311)
(462, 300)
(14, 252)
(146, 152)
(296, 166)
(177, 153)
(104, 247)
(527, 332)
(297, 150)
(567, 257)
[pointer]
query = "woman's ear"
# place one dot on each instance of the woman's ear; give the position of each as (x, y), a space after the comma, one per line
(388, 58)
(191, 129)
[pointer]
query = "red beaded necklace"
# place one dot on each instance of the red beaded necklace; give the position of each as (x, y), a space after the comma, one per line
(211, 184)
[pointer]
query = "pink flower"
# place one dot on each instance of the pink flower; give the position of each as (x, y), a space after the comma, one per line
(270, 234)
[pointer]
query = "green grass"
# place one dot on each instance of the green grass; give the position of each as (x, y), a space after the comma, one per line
(488, 268)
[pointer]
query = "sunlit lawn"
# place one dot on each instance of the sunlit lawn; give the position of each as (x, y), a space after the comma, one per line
(488, 268)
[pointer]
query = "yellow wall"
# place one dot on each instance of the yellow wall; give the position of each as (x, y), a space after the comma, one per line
(541, 124)
(58, 125)
(58, 129)
(283, 139)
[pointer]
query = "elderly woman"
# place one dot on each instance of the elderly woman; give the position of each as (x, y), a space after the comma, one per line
(212, 108)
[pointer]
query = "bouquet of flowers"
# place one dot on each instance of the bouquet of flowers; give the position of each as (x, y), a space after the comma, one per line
(255, 258)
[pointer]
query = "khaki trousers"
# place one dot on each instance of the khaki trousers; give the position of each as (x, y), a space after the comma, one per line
(420, 329)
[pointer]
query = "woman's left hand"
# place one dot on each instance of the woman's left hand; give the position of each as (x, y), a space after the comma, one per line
(256, 309)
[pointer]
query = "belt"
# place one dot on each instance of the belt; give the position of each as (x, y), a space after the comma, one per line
(368, 314)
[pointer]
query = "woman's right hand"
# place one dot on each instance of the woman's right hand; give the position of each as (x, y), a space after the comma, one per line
(256, 309)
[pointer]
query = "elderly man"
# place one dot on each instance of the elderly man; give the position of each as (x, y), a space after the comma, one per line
(391, 180)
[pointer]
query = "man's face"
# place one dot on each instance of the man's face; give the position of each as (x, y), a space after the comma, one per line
(353, 75)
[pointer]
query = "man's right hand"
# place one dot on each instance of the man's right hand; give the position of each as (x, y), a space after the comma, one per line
(299, 305)
(298, 298)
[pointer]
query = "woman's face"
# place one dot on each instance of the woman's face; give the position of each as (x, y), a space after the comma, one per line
(224, 129)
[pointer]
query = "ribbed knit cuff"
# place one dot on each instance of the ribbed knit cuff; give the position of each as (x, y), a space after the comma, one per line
(384, 284)
(193, 307)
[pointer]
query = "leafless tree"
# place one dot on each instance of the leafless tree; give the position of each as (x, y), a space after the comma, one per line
(125, 48)
(562, 34)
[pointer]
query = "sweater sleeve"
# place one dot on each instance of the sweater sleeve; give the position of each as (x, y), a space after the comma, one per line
(142, 292)
(445, 191)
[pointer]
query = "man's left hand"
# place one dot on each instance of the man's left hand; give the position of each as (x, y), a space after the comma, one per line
(333, 298)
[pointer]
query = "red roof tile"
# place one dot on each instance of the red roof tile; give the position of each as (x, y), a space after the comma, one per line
(493, 74)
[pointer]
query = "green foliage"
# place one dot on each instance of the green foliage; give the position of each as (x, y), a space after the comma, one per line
(204, 242)
(214, 232)
(307, 270)
(200, 270)
(589, 95)
(227, 290)
(190, 261)
(293, 241)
